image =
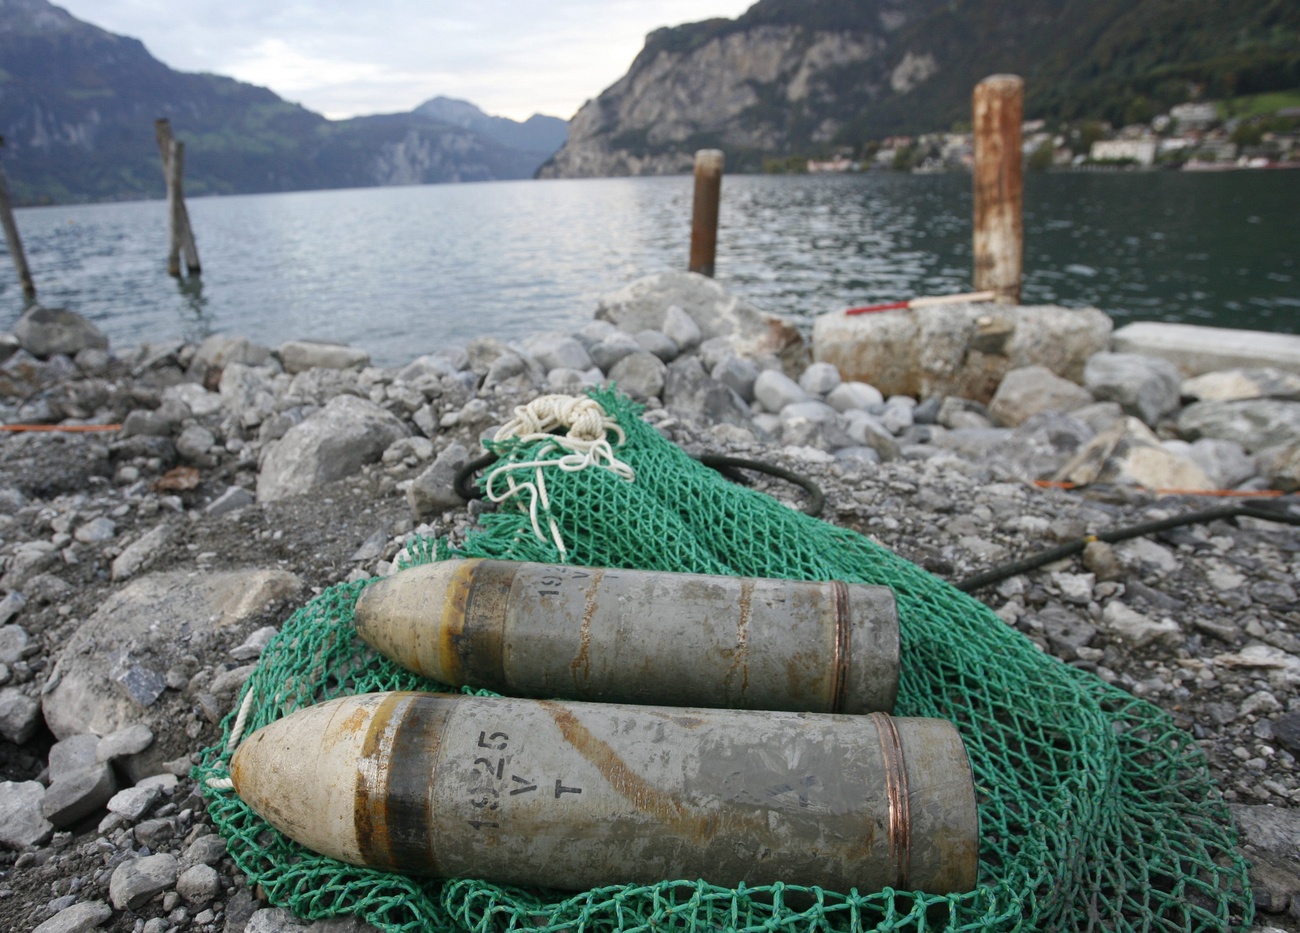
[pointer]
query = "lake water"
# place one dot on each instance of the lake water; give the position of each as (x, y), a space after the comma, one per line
(401, 271)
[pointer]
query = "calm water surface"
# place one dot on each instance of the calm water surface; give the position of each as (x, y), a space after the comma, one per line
(401, 271)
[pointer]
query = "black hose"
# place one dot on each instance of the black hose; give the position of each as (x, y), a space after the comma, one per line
(1275, 510)
(727, 466)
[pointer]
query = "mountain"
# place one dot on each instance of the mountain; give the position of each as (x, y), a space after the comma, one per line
(804, 77)
(77, 106)
(536, 134)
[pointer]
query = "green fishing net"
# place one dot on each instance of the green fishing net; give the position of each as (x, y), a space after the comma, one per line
(1096, 813)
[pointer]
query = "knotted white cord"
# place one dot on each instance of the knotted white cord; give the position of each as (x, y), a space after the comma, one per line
(586, 442)
(236, 734)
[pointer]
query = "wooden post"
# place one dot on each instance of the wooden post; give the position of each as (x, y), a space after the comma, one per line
(11, 237)
(704, 220)
(179, 235)
(998, 108)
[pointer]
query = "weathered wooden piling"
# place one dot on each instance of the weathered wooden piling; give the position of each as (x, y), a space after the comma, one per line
(998, 108)
(180, 237)
(704, 219)
(12, 238)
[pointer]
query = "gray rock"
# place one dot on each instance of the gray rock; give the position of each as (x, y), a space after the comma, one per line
(43, 332)
(144, 423)
(681, 328)
(205, 850)
(141, 552)
(658, 343)
(849, 395)
(1146, 387)
(1138, 630)
(1066, 631)
(134, 802)
(194, 443)
(301, 355)
(77, 918)
(10, 606)
(1224, 462)
(433, 491)
(74, 796)
(193, 396)
(198, 885)
(555, 351)
(154, 617)
(1232, 384)
(234, 498)
(819, 378)
(96, 531)
(774, 390)
(13, 642)
(866, 430)
(253, 646)
(855, 458)
(1286, 729)
(27, 560)
(1253, 423)
(1039, 447)
(571, 381)
(593, 332)
(688, 389)
(1270, 838)
(1280, 465)
(1032, 390)
(713, 351)
(644, 304)
(274, 920)
(72, 754)
(737, 373)
(219, 351)
(613, 348)
(640, 375)
(1129, 454)
(1099, 415)
(19, 715)
(130, 740)
(897, 415)
(810, 410)
(137, 880)
(433, 365)
(507, 366)
(21, 821)
(335, 442)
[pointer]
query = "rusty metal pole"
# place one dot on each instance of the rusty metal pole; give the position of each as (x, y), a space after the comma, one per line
(180, 237)
(704, 218)
(638, 636)
(552, 794)
(13, 239)
(998, 108)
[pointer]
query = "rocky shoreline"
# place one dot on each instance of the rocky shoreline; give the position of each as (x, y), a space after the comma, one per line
(143, 568)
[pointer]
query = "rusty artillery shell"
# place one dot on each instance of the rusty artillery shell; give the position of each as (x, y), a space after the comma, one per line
(576, 795)
(635, 636)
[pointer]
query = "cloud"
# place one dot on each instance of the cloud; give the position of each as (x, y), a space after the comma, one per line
(512, 57)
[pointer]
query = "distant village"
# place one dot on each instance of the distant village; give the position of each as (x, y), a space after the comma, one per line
(1190, 137)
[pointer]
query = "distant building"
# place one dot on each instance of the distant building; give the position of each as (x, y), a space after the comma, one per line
(1141, 151)
(1195, 116)
(840, 164)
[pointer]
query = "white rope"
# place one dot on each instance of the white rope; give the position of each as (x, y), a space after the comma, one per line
(236, 734)
(586, 442)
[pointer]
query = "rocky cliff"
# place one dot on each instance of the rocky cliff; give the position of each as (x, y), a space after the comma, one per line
(750, 86)
(77, 106)
(805, 77)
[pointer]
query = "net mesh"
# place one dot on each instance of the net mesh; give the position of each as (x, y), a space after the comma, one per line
(1096, 813)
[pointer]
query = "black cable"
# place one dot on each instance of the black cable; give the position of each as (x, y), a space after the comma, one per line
(727, 466)
(1275, 510)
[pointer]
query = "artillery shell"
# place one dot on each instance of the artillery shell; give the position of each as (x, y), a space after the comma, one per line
(637, 636)
(575, 795)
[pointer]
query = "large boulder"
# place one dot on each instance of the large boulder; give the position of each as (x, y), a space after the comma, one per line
(1146, 387)
(1032, 390)
(43, 332)
(113, 671)
(1252, 423)
(335, 442)
(1128, 453)
(962, 349)
(1230, 384)
(645, 304)
(299, 356)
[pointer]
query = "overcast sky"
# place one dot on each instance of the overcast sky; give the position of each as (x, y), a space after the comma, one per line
(342, 58)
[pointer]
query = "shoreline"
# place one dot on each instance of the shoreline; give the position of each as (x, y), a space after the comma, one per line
(244, 480)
